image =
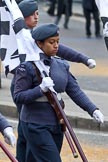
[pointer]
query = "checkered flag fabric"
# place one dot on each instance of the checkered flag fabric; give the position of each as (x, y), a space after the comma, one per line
(103, 9)
(17, 44)
(8, 44)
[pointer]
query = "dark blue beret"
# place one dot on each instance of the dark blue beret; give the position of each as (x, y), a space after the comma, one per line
(45, 31)
(28, 7)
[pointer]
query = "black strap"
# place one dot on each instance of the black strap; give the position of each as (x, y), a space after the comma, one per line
(37, 73)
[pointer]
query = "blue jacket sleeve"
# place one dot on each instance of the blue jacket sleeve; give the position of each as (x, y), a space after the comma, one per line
(71, 55)
(3, 123)
(78, 96)
(24, 91)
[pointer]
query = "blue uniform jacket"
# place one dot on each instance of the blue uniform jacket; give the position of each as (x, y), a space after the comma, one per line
(3, 123)
(72, 55)
(65, 53)
(27, 90)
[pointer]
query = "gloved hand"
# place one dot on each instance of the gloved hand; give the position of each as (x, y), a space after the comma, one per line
(98, 116)
(47, 82)
(91, 63)
(9, 136)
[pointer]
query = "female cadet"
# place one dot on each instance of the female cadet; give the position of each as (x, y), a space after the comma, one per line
(7, 131)
(38, 119)
(29, 9)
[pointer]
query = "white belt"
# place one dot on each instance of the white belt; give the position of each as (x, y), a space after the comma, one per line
(44, 98)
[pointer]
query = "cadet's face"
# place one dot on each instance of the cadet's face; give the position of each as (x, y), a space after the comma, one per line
(32, 20)
(50, 46)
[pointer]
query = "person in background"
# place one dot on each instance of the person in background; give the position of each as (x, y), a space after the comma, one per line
(89, 9)
(64, 7)
(7, 131)
(103, 13)
(51, 9)
(29, 9)
(18, 1)
(39, 122)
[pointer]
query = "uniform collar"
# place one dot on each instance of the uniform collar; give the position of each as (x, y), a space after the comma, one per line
(46, 59)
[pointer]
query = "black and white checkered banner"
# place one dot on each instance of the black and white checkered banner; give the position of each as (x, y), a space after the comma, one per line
(16, 43)
(8, 45)
(103, 9)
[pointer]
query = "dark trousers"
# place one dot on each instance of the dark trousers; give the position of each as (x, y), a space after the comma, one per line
(87, 14)
(22, 148)
(45, 141)
(21, 145)
(51, 10)
(64, 7)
